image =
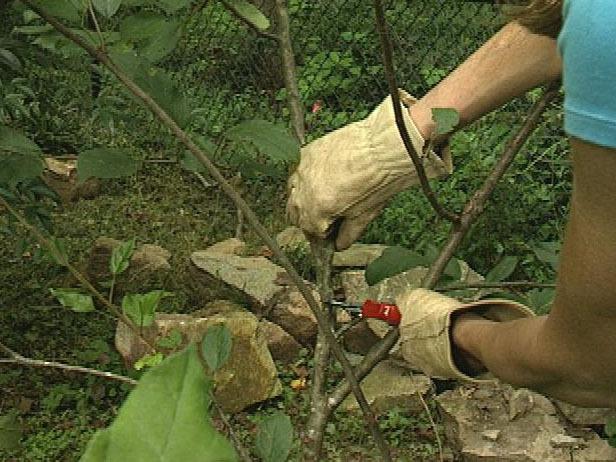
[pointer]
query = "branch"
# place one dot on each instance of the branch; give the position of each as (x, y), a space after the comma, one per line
(390, 73)
(471, 211)
(496, 285)
(16, 358)
(42, 240)
(239, 16)
(250, 216)
(289, 71)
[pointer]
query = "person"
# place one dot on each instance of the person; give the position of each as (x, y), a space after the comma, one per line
(346, 177)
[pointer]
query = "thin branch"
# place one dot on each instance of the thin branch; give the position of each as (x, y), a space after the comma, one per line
(322, 321)
(496, 285)
(472, 210)
(390, 73)
(289, 70)
(92, 16)
(439, 443)
(239, 16)
(239, 447)
(43, 241)
(16, 358)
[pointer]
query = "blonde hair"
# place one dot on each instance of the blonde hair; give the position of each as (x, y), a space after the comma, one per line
(539, 16)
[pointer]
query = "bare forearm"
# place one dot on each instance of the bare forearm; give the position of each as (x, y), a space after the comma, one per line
(513, 61)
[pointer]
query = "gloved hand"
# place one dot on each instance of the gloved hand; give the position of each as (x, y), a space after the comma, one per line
(425, 334)
(350, 174)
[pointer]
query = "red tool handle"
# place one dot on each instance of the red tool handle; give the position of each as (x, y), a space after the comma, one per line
(384, 311)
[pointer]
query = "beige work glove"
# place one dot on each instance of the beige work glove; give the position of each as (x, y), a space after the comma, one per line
(425, 334)
(350, 174)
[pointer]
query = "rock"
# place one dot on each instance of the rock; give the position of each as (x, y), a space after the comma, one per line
(61, 177)
(232, 246)
(566, 442)
(248, 377)
(281, 344)
(293, 314)
(215, 307)
(291, 239)
(473, 413)
(360, 338)
(391, 386)
(147, 260)
(358, 255)
(252, 280)
(586, 417)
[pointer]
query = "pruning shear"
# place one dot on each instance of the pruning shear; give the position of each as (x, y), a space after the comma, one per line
(370, 309)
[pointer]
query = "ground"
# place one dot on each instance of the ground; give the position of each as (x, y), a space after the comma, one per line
(161, 205)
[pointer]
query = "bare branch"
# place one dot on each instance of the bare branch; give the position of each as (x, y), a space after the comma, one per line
(237, 14)
(289, 70)
(390, 73)
(472, 211)
(324, 325)
(92, 17)
(16, 358)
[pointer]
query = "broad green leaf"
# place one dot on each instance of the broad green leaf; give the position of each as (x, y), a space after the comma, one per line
(452, 270)
(120, 257)
(107, 7)
(8, 58)
(547, 252)
(10, 432)
(394, 260)
(15, 168)
(141, 308)
(149, 361)
(164, 419)
(13, 141)
(163, 42)
(503, 269)
(216, 346)
(171, 6)
(33, 30)
(69, 298)
(250, 13)
(540, 300)
(63, 9)
(274, 438)
(141, 26)
(171, 341)
(190, 162)
(610, 431)
(271, 140)
(446, 120)
(105, 163)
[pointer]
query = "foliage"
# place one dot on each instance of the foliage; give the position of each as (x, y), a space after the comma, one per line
(216, 346)
(173, 398)
(274, 438)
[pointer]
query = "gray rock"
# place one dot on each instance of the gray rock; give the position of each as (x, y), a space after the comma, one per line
(358, 255)
(586, 417)
(232, 246)
(253, 280)
(292, 313)
(472, 410)
(281, 344)
(391, 386)
(292, 238)
(248, 377)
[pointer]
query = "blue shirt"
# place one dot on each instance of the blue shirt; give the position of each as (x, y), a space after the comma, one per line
(587, 44)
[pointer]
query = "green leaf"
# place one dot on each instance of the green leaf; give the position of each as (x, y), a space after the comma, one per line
(274, 438)
(141, 308)
(271, 140)
(8, 58)
(446, 120)
(171, 341)
(69, 298)
(502, 270)
(250, 13)
(163, 42)
(63, 9)
(10, 432)
(120, 257)
(190, 162)
(540, 300)
(216, 346)
(394, 260)
(171, 6)
(13, 141)
(164, 419)
(141, 26)
(547, 252)
(105, 163)
(149, 361)
(107, 7)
